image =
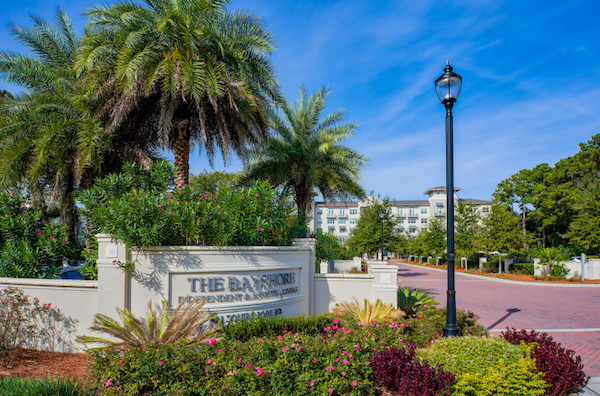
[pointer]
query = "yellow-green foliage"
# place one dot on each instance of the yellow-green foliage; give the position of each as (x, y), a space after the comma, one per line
(486, 366)
(502, 380)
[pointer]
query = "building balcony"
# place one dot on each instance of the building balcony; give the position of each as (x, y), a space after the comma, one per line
(415, 214)
(342, 216)
(440, 213)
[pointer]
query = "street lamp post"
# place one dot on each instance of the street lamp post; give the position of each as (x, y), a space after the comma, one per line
(447, 87)
(381, 216)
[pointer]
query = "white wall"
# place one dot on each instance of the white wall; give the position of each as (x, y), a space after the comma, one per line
(74, 303)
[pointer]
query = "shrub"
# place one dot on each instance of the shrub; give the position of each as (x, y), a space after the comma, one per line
(559, 270)
(471, 354)
(14, 386)
(409, 300)
(269, 326)
(286, 364)
(367, 312)
(327, 245)
(142, 208)
(503, 379)
(31, 244)
(25, 322)
(522, 268)
(186, 324)
(563, 371)
(397, 371)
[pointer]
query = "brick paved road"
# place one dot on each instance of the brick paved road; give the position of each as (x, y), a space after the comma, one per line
(500, 305)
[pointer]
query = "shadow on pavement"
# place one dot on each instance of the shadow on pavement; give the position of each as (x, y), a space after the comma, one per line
(509, 311)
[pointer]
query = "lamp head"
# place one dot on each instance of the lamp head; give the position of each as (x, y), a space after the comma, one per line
(447, 86)
(381, 215)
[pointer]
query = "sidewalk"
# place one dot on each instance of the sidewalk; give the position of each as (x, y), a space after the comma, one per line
(593, 387)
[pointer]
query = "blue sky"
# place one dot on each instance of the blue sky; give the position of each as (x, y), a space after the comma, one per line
(529, 71)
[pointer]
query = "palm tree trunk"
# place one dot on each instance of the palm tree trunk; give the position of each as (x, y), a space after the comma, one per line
(68, 213)
(302, 197)
(181, 150)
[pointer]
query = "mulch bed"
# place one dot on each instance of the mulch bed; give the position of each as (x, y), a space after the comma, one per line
(43, 364)
(514, 277)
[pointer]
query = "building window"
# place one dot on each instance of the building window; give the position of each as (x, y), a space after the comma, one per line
(319, 221)
(412, 229)
(330, 212)
(401, 221)
(423, 221)
(330, 221)
(401, 228)
(342, 221)
(342, 239)
(331, 229)
(399, 210)
(342, 230)
(423, 210)
(351, 229)
(485, 209)
(439, 208)
(342, 211)
(411, 210)
(319, 211)
(353, 211)
(353, 221)
(412, 221)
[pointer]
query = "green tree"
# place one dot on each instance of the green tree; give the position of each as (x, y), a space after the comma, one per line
(304, 153)
(47, 138)
(435, 237)
(517, 190)
(501, 231)
(466, 220)
(585, 228)
(366, 237)
(181, 72)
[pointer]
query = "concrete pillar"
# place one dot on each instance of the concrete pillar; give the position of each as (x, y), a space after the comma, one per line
(481, 261)
(312, 268)
(385, 282)
(113, 283)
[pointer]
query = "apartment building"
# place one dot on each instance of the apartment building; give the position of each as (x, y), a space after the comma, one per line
(413, 215)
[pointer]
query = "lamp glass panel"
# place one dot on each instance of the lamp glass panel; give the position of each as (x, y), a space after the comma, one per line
(448, 87)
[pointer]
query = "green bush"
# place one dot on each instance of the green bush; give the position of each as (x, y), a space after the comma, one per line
(327, 245)
(14, 386)
(268, 326)
(486, 366)
(521, 268)
(253, 357)
(142, 208)
(32, 245)
(559, 270)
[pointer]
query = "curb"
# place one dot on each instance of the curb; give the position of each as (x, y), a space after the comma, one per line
(504, 280)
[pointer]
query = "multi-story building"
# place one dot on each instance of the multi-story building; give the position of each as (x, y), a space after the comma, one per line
(413, 215)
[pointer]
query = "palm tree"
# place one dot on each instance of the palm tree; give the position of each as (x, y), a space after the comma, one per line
(48, 137)
(304, 154)
(181, 72)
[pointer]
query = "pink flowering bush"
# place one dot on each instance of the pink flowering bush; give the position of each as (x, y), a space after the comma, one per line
(333, 359)
(144, 208)
(31, 244)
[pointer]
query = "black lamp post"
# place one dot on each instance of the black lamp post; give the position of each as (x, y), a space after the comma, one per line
(447, 88)
(381, 216)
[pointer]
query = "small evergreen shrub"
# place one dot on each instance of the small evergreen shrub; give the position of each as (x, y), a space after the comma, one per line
(562, 369)
(502, 379)
(269, 326)
(522, 268)
(397, 371)
(471, 354)
(14, 386)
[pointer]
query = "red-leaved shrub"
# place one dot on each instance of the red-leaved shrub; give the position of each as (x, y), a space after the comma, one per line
(563, 371)
(398, 372)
